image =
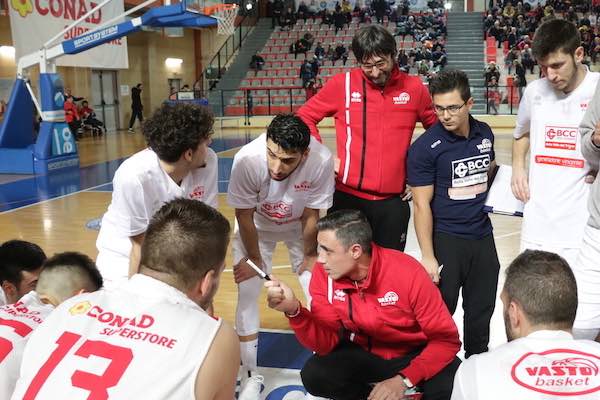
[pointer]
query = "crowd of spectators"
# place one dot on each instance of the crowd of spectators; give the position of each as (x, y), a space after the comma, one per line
(513, 24)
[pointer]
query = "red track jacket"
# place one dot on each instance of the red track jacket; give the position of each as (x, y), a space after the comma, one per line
(395, 310)
(374, 128)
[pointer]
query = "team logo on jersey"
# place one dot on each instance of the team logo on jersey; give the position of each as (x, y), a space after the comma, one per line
(560, 137)
(355, 97)
(470, 166)
(197, 193)
(388, 299)
(279, 210)
(339, 295)
(80, 308)
(302, 186)
(485, 146)
(583, 106)
(558, 372)
(402, 98)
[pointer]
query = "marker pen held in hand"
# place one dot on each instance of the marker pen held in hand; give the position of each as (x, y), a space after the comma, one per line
(259, 271)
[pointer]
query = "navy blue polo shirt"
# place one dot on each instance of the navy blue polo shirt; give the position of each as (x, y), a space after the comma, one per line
(458, 168)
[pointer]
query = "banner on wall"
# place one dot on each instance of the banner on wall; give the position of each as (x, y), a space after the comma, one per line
(33, 22)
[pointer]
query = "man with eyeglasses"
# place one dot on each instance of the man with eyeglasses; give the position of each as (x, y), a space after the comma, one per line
(448, 168)
(375, 108)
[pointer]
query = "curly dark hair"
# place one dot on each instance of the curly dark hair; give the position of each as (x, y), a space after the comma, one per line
(175, 128)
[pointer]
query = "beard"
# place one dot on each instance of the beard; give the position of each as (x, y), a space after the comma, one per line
(509, 334)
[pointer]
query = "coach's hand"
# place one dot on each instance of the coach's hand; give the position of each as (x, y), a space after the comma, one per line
(390, 389)
(432, 267)
(280, 297)
(407, 195)
(242, 271)
(520, 185)
(596, 135)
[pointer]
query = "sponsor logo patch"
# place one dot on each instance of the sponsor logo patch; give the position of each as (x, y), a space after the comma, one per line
(559, 161)
(560, 137)
(388, 299)
(339, 295)
(558, 372)
(197, 193)
(355, 97)
(436, 144)
(302, 186)
(402, 98)
(485, 146)
(279, 210)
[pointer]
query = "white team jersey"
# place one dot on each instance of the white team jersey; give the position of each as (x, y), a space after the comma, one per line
(557, 210)
(544, 365)
(280, 204)
(17, 321)
(146, 340)
(140, 188)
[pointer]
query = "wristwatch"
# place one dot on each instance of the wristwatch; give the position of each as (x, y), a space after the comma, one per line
(406, 381)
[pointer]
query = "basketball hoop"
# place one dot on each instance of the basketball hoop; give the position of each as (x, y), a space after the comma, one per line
(225, 15)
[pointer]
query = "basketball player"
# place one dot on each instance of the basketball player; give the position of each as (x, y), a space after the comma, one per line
(278, 184)
(20, 266)
(554, 191)
(63, 276)
(150, 338)
(177, 163)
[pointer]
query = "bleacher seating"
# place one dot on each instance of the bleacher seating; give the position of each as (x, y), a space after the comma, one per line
(272, 88)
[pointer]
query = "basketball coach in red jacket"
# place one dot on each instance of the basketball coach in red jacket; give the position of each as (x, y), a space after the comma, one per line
(375, 107)
(376, 332)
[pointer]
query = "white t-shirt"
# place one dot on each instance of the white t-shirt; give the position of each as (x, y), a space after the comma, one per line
(557, 210)
(140, 188)
(544, 365)
(280, 204)
(146, 340)
(17, 321)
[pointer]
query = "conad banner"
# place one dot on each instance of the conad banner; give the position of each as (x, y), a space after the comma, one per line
(33, 22)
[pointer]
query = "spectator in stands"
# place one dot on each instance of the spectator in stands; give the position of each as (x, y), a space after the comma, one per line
(379, 7)
(306, 73)
(438, 56)
(276, 13)
(319, 51)
(341, 53)
(510, 59)
(403, 60)
(72, 117)
(311, 89)
(339, 20)
(509, 11)
(327, 18)
(520, 79)
(595, 49)
(346, 7)
(315, 65)
(527, 58)
(312, 9)
(572, 16)
(298, 47)
(511, 38)
(497, 32)
(303, 12)
(89, 118)
(491, 71)
(307, 40)
(330, 54)
(493, 96)
(257, 62)
(288, 19)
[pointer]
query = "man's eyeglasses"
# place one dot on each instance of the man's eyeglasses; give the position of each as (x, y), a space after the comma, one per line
(379, 65)
(452, 110)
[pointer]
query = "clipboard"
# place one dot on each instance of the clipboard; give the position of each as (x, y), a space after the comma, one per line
(500, 199)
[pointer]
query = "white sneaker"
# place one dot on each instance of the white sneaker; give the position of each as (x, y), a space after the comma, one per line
(251, 388)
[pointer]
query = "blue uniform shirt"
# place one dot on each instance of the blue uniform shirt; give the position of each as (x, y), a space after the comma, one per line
(458, 169)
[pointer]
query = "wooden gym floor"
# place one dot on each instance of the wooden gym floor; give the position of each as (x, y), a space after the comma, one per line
(58, 212)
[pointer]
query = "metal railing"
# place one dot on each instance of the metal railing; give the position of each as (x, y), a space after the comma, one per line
(502, 100)
(218, 64)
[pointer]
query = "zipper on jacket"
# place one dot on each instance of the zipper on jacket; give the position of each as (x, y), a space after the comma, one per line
(350, 308)
(364, 129)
